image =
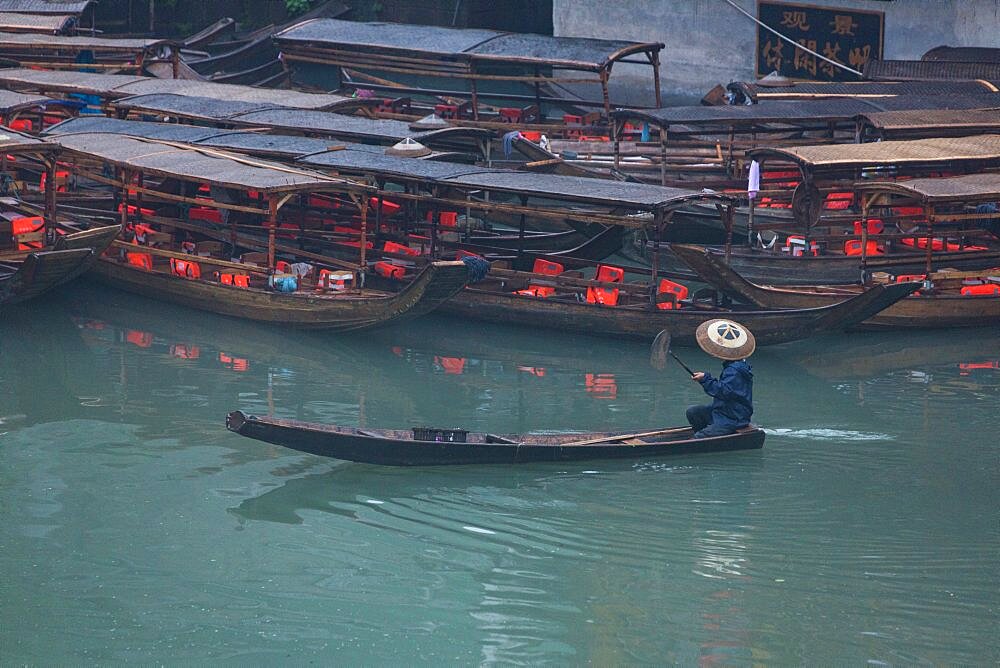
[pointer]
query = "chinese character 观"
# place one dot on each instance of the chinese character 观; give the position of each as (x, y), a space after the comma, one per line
(794, 20)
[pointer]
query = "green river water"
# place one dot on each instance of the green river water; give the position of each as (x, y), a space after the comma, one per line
(135, 529)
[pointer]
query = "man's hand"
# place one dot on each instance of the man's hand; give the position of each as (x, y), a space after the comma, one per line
(698, 376)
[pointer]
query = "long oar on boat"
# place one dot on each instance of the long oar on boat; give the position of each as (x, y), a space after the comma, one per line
(660, 349)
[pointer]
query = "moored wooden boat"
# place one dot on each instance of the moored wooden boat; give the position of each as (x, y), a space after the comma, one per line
(336, 310)
(177, 263)
(566, 310)
(401, 448)
(39, 272)
(945, 306)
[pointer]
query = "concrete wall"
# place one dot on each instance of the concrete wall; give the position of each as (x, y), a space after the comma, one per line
(709, 42)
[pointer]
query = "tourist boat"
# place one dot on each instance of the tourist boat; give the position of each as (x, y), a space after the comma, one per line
(38, 249)
(827, 202)
(200, 271)
(959, 299)
(503, 298)
(443, 447)
(38, 272)
(468, 63)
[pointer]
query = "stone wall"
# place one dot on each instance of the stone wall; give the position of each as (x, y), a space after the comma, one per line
(709, 42)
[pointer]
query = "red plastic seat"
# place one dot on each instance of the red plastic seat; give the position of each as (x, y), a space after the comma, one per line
(838, 201)
(185, 268)
(795, 245)
(854, 247)
(545, 268)
(28, 232)
(205, 213)
(984, 290)
(875, 226)
(606, 296)
(143, 260)
(669, 287)
(62, 177)
(238, 280)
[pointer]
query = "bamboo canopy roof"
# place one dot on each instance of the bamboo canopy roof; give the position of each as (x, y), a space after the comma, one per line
(762, 90)
(11, 101)
(283, 146)
(969, 188)
(363, 160)
(802, 111)
(113, 86)
(49, 24)
(910, 70)
(889, 122)
(12, 141)
(461, 45)
(941, 150)
(45, 6)
(191, 164)
(383, 131)
(966, 54)
(38, 42)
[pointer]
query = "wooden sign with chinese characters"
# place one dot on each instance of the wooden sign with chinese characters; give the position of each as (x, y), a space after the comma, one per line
(848, 36)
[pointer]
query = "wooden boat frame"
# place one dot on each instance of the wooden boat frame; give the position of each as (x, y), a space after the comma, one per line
(941, 306)
(138, 163)
(399, 448)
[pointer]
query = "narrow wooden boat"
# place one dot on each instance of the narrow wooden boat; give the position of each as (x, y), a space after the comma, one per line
(944, 307)
(332, 310)
(777, 268)
(497, 300)
(401, 448)
(39, 272)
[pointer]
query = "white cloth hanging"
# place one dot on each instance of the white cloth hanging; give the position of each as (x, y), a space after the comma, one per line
(753, 182)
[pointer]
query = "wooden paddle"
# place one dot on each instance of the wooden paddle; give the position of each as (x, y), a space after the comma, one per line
(660, 349)
(625, 437)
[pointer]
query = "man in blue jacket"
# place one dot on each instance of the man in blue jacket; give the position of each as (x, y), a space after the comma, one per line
(732, 393)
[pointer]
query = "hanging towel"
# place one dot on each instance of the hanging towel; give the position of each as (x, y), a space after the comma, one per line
(508, 143)
(753, 183)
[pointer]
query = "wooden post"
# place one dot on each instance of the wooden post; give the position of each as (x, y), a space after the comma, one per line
(520, 229)
(380, 184)
(730, 213)
(654, 58)
(435, 216)
(663, 155)
(538, 93)
(604, 92)
(272, 224)
(931, 214)
(175, 57)
(138, 196)
(124, 212)
(50, 198)
(864, 240)
(475, 96)
(616, 137)
(655, 263)
(360, 282)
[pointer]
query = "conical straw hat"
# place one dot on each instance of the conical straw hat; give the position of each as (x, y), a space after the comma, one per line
(725, 339)
(408, 149)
